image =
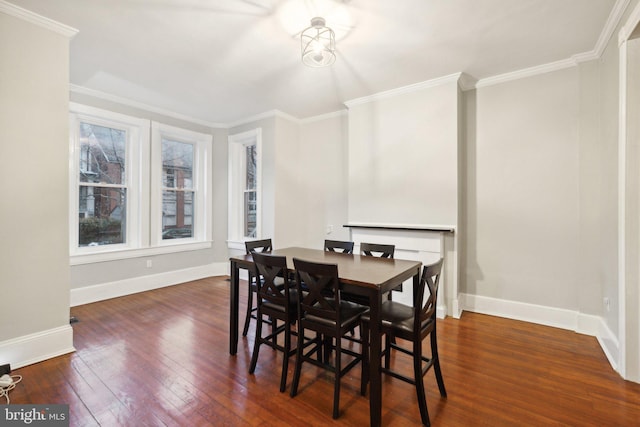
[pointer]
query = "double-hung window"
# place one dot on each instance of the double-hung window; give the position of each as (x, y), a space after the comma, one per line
(135, 192)
(244, 187)
(105, 187)
(179, 202)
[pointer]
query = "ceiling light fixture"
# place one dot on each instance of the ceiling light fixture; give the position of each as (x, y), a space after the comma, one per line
(318, 44)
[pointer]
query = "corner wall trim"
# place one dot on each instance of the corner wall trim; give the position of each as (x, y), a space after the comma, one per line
(134, 285)
(33, 348)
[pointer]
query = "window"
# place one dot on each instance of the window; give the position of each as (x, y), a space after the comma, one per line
(250, 192)
(244, 187)
(105, 148)
(179, 212)
(113, 215)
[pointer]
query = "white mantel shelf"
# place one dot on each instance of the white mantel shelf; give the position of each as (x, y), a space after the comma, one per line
(408, 227)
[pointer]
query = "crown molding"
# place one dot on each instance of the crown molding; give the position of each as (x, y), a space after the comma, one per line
(610, 26)
(39, 20)
(266, 115)
(630, 25)
(326, 116)
(612, 22)
(467, 82)
(404, 89)
(527, 72)
(128, 102)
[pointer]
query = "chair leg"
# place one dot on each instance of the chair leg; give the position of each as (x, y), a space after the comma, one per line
(320, 347)
(247, 318)
(256, 345)
(436, 364)
(285, 356)
(387, 349)
(336, 386)
(419, 380)
(298, 364)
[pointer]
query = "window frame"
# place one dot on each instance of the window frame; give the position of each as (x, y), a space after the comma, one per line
(237, 186)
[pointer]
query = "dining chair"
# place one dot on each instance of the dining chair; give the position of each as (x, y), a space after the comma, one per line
(414, 324)
(381, 251)
(263, 245)
(321, 310)
(278, 303)
(375, 250)
(338, 246)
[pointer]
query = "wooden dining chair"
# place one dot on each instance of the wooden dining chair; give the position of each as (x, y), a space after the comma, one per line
(338, 246)
(263, 245)
(377, 249)
(321, 310)
(381, 251)
(414, 324)
(277, 302)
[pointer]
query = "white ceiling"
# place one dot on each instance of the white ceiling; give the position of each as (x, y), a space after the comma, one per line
(221, 61)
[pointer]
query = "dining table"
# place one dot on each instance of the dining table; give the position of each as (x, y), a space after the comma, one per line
(368, 276)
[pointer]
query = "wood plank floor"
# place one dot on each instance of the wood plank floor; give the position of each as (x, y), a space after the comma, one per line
(160, 358)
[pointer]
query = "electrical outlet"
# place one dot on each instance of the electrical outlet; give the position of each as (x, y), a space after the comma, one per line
(329, 229)
(607, 304)
(149, 263)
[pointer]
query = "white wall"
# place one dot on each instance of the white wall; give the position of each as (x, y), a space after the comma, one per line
(523, 191)
(403, 157)
(34, 262)
(323, 154)
(289, 173)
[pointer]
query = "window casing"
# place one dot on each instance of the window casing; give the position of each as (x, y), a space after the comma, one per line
(245, 172)
(121, 184)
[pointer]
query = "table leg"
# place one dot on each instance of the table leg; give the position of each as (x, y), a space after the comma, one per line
(233, 308)
(375, 376)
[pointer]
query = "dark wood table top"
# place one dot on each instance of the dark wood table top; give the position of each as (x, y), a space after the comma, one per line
(363, 271)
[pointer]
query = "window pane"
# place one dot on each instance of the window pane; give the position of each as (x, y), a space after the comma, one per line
(102, 154)
(177, 164)
(102, 216)
(250, 214)
(177, 214)
(251, 179)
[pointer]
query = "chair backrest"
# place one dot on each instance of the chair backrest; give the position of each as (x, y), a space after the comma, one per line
(375, 249)
(321, 296)
(267, 268)
(425, 310)
(263, 245)
(338, 246)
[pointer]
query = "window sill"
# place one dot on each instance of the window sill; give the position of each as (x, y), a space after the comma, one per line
(121, 254)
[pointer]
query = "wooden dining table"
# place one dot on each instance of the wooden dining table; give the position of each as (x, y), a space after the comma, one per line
(362, 275)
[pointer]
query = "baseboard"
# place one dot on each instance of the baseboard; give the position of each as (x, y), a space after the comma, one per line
(33, 348)
(134, 285)
(550, 316)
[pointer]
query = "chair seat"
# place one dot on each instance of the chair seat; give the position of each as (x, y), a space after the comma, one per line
(349, 313)
(397, 317)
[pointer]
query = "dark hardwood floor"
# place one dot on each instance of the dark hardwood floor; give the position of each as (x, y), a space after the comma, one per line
(161, 358)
